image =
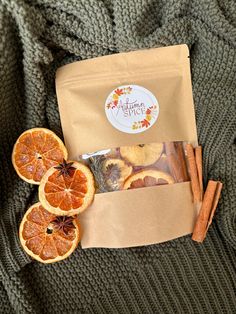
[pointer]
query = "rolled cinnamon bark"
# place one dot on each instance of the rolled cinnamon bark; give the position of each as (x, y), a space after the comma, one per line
(193, 173)
(198, 156)
(182, 160)
(215, 202)
(209, 204)
(176, 160)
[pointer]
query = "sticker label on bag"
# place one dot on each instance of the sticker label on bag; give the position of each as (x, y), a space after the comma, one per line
(131, 108)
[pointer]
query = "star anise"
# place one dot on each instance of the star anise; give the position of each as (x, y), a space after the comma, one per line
(113, 172)
(63, 223)
(65, 168)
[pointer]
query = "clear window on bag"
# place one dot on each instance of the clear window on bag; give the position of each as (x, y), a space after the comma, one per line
(138, 166)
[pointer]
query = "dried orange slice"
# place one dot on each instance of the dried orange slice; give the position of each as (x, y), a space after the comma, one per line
(116, 171)
(67, 189)
(35, 151)
(46, 237)
(148, 177)
(143, 154)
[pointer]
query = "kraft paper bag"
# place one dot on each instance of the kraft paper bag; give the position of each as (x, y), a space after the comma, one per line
(113, 106)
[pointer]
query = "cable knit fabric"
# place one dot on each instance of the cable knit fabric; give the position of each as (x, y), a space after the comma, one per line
(180, 276)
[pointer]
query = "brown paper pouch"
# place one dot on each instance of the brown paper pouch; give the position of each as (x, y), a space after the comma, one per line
(86, 91)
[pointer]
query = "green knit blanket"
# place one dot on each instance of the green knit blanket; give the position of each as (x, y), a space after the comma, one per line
(180, 276)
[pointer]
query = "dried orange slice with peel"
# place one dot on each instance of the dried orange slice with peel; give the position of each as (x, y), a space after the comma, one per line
(46, 237)
(116, 171)
(146, 178)
(67, 189)
(35, 151)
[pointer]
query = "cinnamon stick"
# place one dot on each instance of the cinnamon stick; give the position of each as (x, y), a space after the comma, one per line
(215, 202)
(193, 173)
(198, 156)
(174, 163)
(209, 204)
(182, 160)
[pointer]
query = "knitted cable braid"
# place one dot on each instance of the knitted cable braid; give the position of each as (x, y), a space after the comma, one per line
(37, 37)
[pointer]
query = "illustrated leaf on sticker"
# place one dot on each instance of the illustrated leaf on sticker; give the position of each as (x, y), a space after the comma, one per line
(119, 92)
(148, 111)
(145, 123)
(114, 104)
(148, 117)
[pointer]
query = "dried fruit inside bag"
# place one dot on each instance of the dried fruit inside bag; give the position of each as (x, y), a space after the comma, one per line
(137, 166)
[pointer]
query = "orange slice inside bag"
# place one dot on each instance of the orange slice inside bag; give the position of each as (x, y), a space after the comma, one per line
(46, 237)
(145, 178)
(35, 151)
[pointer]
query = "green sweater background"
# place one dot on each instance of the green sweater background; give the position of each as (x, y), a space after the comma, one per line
(180, 276)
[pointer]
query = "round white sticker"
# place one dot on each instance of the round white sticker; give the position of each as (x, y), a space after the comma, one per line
(131, 108)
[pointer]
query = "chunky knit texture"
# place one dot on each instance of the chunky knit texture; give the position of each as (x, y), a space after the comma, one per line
(38, 36)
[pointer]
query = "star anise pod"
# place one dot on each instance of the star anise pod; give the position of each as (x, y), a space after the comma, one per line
(113, 172)
(63, 223)
(65, 168)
